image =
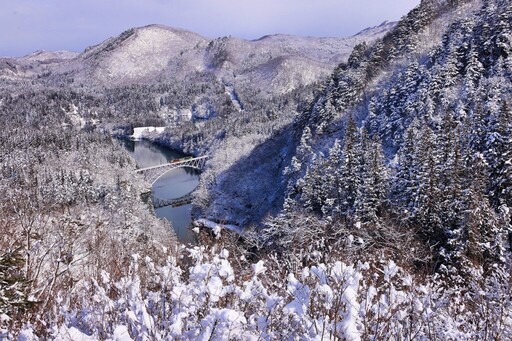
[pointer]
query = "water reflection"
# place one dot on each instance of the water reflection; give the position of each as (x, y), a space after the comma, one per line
(174, 184)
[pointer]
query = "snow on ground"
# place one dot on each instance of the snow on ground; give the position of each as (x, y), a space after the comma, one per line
(230, 91)
(74, 116)
(215, 227)
(147, 52)
(48, 56)
(143, 132)
(72, 333)
(121, 334)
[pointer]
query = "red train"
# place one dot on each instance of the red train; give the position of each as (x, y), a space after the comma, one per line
(181, 160)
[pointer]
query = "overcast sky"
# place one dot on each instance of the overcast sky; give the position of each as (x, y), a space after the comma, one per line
(30, 25)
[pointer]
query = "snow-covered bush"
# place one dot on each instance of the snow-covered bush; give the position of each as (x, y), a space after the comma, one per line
(210, 301)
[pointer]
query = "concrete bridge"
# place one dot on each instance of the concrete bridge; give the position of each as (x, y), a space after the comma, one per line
(153, 173)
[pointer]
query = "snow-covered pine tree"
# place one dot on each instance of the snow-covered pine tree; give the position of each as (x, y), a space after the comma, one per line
(405, 181)
(481, 224)
(351, 167)
(333, 177)
(313, 186)
(498, 152)
(425, 198)
(373, 187)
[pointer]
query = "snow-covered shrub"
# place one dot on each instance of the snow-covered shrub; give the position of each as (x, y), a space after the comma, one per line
(209, 299)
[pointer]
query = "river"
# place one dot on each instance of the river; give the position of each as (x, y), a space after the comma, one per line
(174, 184)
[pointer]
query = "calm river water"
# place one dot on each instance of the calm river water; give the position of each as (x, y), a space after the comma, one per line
(174, 184)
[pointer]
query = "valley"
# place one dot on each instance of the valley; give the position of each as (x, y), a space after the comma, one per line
(353, 188)
(176, 183)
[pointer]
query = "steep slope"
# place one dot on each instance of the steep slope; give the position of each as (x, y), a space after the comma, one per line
(445, 69)
(9, 68)
(408, 147)
(280, 63)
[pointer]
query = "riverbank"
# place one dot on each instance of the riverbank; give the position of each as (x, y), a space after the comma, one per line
(175, 183)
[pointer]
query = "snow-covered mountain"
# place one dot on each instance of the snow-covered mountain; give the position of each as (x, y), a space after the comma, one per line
(441, 62)
(137, 55)
(377, 204)
(33, 65)
(47, 57)
(157, 53)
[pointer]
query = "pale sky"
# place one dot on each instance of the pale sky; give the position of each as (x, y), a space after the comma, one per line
(30, 25)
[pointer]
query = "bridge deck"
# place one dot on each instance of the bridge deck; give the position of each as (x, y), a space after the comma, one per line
(175, 202)
(171, 164)
(153, 173)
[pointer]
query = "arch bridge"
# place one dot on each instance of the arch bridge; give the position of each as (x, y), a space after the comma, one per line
(153, 173)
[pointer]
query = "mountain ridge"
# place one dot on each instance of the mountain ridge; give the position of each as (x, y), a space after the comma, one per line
(156, 53)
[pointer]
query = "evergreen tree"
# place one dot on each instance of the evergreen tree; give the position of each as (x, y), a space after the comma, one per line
(313, 186)
(481, 223)
(333, 183)
(304, 150)
(498, 152)
(351, 167)
(450, 171)
(405, 181)
(426, 196)
(373, 187)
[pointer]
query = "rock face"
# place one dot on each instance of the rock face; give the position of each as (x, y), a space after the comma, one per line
(155, 53)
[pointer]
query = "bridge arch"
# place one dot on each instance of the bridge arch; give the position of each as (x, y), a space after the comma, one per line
(167, 170)
(154, 173)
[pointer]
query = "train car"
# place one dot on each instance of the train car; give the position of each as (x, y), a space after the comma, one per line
(181, 159)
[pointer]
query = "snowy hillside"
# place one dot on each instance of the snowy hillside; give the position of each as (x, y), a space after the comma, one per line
(411, 133)
(33, 65)
(137, 54)
(362, 195)
(159, 53)
(46, 57)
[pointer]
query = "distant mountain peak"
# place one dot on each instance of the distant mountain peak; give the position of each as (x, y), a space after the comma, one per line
(152, 53)
(384, 26)
(156, 27)
(44, 56)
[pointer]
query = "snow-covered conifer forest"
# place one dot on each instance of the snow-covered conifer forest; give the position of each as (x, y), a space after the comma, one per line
(370, 179)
